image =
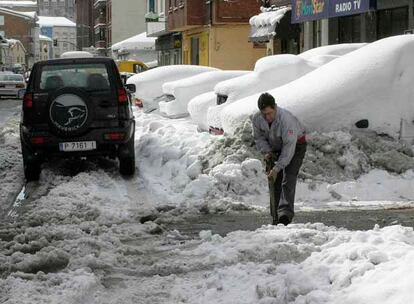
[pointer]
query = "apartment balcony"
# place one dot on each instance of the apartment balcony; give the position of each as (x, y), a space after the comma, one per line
(156, 25)
(100, 44)
(100, 20)
(98, 4)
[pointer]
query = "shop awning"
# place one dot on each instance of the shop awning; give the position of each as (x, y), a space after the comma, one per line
(263, 26)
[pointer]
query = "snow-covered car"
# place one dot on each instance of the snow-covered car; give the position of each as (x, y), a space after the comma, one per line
(177, 94)
(149, 83)
(76, 54)
(198, 108)
(272, 72)
(369, 88)
(269, 72)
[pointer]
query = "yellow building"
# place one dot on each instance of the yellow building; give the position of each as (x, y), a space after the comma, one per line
(216, 34)
(221, 46)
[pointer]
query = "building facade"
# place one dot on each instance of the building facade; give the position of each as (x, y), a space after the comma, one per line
(20, 6)
(57, 8)
(127, 19)
(62, 31)
(214, 33)
(101, 17)
(348, 22)
(168, 44)
(21, 26)
(85, 24)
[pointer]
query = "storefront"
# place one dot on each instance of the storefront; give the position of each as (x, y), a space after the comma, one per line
(343, 21)
(169, 49)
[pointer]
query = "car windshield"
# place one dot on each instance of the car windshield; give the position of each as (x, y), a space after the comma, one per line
(90, 77)
(11, 77)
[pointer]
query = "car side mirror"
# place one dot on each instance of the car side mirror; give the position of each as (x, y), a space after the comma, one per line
(131, 88)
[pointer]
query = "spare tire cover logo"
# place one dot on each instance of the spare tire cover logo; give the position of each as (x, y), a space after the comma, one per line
(68, 112)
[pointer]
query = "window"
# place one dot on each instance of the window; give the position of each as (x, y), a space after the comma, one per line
(74, 75)
(392, 22)
(151, 6)
(11, 78)
(195, 50)
(349, 29)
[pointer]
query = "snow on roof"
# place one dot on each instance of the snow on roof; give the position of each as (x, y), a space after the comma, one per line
(138, 42)
(30, 15)
(18, 3)
(55, 21)
(76, 54)
(43, 37)
(264, 24)
(372, 83)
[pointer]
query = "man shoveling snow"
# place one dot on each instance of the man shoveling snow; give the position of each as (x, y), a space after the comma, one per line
(280, 136)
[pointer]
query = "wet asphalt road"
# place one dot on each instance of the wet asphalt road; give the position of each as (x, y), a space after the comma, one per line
(352, 220)
(8, 108)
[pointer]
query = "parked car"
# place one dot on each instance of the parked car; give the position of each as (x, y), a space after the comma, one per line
(177, 94)
(365, 90)
(76, 107)
(149, 83)
(12, 85)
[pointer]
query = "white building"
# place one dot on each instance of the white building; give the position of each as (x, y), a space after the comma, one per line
(139, 47)
(62, 31)
(58, 8)
(127, 18)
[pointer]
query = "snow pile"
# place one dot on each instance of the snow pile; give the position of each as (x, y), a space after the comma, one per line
(186, 89)
(372, 83)
(308, 263)
(149, 83)
(198, 109)
(185, 168)
(137, 42)
(11, 165)
(269, 72)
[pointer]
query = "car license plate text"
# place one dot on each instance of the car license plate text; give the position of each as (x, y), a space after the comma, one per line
(77, 146)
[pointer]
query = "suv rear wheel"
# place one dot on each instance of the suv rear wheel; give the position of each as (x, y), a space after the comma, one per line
(126, 155)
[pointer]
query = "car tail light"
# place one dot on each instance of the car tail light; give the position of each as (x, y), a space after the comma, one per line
(28, 101)
(38, 140)
(139, 103)
(116, 136)
(122, 96)
(216, 131)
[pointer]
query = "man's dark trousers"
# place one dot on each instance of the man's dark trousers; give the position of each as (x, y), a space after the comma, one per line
(282, 190)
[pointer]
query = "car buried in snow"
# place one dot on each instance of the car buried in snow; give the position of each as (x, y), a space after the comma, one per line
(149, 83)
(76, 107)
(177, 94)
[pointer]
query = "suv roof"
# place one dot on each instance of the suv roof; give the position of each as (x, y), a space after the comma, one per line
(76, 60)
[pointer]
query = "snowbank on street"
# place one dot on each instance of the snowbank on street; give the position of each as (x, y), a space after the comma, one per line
(186, 89)
(372, 83)
(185, 168)
(301, 264)
(149, 83)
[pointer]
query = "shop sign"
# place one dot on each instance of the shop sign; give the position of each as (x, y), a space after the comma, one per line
(309, 10)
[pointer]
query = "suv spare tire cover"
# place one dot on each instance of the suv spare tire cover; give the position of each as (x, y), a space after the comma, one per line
(70, 112)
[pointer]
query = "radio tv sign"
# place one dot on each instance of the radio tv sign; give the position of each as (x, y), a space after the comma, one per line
(309, 10)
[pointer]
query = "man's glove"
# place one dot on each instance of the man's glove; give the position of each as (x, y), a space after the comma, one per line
(272, 175)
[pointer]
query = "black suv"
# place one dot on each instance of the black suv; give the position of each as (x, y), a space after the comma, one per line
(76, 107)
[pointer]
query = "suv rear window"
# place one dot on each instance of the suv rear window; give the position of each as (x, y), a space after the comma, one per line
(90, 77)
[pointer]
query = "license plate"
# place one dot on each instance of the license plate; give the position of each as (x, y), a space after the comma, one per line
(77, 146)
